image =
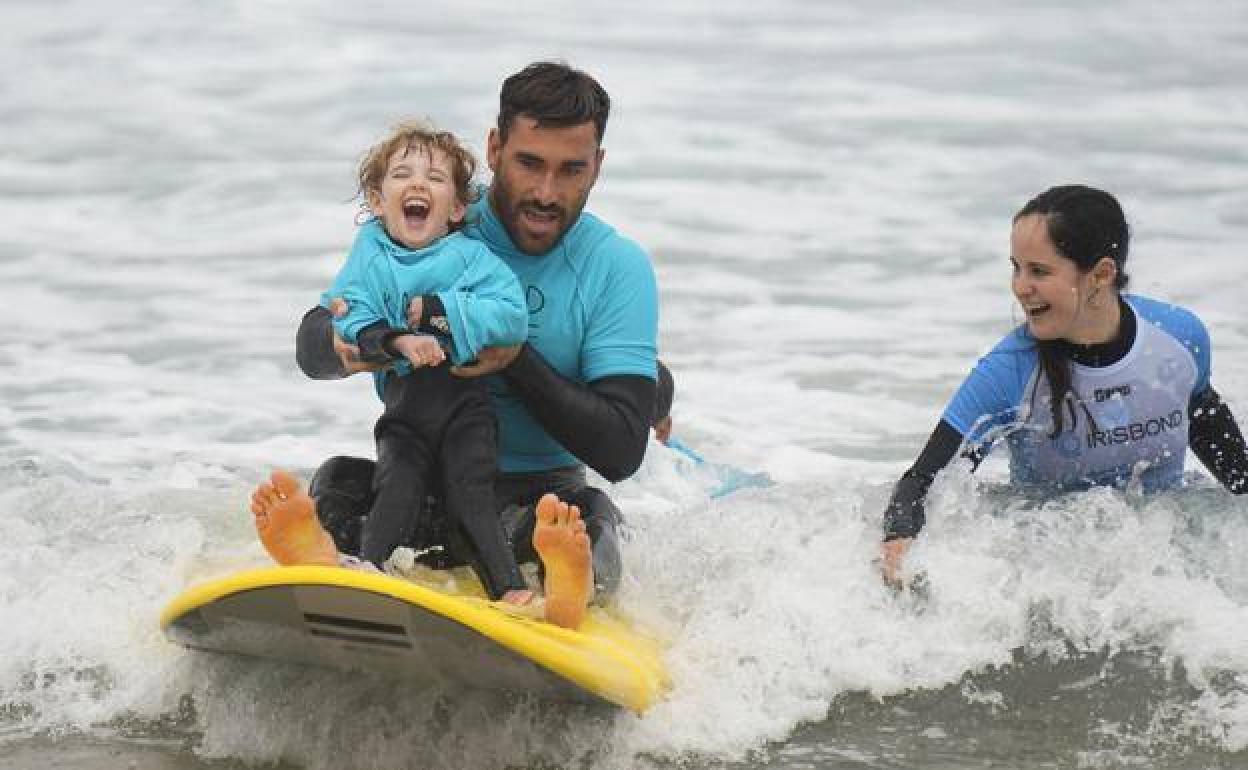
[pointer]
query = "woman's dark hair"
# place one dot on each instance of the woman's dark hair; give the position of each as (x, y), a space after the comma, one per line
(1085, 224)
(553, 94)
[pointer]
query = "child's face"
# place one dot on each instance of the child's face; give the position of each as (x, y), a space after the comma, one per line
(417, 201)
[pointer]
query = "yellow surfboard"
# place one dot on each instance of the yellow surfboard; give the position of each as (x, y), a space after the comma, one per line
(369, 621)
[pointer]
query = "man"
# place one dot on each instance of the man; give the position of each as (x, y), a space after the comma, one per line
(581, 390)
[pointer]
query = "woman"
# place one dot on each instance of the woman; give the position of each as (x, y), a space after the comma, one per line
(1095, 388)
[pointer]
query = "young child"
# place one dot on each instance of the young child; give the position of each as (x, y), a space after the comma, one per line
(416, 290)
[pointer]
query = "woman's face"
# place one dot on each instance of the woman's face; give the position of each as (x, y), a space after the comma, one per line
(1050, 288)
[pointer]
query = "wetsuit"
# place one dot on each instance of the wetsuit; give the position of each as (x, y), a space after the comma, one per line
(1135, 405)
(580, 392)
(434, 425)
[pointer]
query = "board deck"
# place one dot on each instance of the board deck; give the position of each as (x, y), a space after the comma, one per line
(370, 621)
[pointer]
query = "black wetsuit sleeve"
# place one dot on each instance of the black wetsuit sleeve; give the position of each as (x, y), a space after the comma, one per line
(906, 512)
(1215, 438)
(314, 346)
(606, 423)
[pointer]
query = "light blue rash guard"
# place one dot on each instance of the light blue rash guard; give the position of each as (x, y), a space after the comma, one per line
(1122, 421)
(592, 312)
(483, 301)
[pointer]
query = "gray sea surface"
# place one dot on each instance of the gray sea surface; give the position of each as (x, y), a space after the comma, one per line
(825, 190)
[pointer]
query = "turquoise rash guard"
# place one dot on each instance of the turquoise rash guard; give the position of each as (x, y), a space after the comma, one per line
(593, 313)
(482, 300)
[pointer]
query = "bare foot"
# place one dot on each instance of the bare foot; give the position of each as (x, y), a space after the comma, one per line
(287, 524)
(563, 545)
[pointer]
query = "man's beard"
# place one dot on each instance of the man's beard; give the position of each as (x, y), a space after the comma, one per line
(511, 214)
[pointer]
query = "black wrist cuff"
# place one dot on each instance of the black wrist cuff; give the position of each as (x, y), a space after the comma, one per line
(433, 316)
(372, 342)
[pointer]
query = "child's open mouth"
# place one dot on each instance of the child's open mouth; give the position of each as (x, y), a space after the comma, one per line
(415, 212)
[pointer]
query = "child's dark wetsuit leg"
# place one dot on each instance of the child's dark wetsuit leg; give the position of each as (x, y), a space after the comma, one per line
(407, 436)
(365, 506)
(469, 455)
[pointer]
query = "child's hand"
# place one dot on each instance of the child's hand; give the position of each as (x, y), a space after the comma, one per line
(419, 349)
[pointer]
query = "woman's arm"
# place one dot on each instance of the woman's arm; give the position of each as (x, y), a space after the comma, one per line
(1215, 438)
(906, 513)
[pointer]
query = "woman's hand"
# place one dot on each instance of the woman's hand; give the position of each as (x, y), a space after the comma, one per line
(892, 552)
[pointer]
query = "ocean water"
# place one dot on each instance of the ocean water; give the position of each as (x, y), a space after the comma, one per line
(826, 191)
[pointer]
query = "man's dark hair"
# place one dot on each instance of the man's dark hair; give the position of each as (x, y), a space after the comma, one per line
(553, 94)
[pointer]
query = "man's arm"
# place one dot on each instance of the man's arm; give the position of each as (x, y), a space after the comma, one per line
(322, 354)
(606, 423)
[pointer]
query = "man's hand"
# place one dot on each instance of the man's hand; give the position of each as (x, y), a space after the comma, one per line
(489, 361)
(347, 353)
(891, 554)
(419, 349)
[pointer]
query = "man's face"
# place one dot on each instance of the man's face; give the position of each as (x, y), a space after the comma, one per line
(542, 178)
